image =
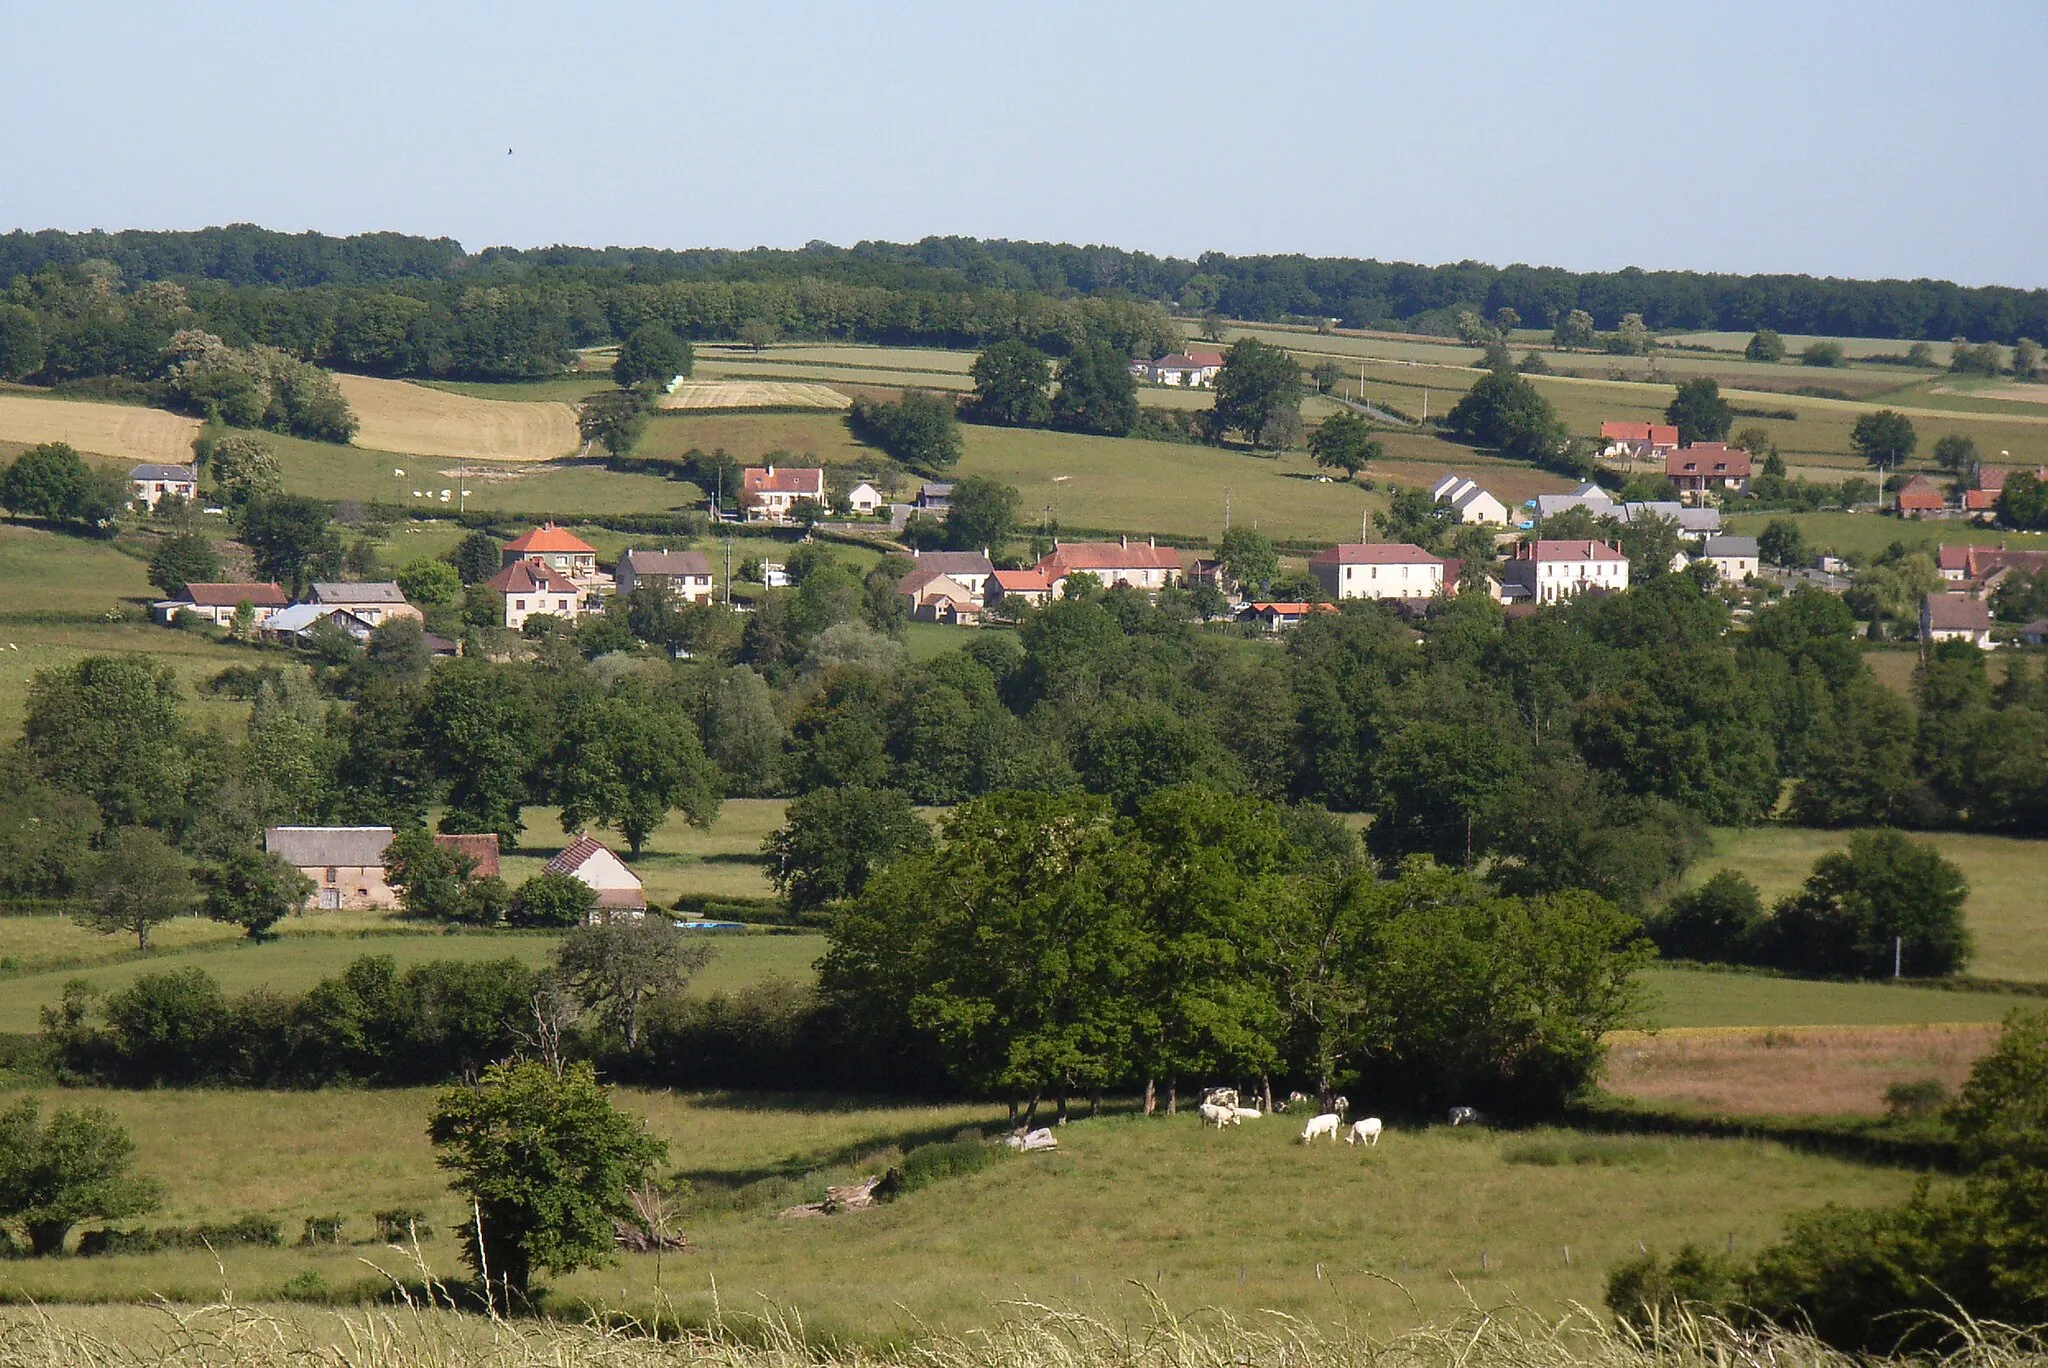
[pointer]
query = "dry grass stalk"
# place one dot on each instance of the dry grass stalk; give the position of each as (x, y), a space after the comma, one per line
(1790, 1071)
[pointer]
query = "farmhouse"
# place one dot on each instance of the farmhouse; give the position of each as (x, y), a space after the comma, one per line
(1955, 617)
(1919, 497)
(1984, 567)
(1548, 571)
(1707, 468)
(216, 603)
(561, 551)
(295, 625)
(1034, 587)
(684, 576)
(1278, 617)
(618, 888)
(1191, 370)
(1623, 441)
(375, 602)
(935, 497)
(1377, 570)
(346, 864)
(1148, 566)
(149, 483)
(767, 494)
(530, 586)
(1735, 559)
(1471, 503)
(934, 596)
(970, 568)
(864, 500)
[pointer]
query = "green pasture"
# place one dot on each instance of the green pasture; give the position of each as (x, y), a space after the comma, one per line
(2007, 912)
(1863, 535)
(27, 647)
(723, 860)
(1707, 997)
(1127, 1209)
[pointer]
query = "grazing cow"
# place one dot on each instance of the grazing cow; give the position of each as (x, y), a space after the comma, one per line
(1217, 1116)
(1326, 1124)
(1364, 1132)
(1467, 1116)
(1247, 1113)
(1340, 1105)
(1295, 1097)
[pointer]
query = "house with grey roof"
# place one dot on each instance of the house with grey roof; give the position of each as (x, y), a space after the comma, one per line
(375, 601)
(147, 484)
(685, 576)
(1735, 559)
(346, 864)
(295, 625)
(969, 569)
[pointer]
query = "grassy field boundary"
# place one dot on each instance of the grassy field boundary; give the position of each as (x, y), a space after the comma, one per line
(1953, 983)
(1923, 1147)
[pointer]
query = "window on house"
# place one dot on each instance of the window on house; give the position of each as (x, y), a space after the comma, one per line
(519, 604)
(332, 873)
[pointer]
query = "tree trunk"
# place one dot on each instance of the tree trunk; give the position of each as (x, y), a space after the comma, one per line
(1173, 1095)
(1061, 1097)
(1151, 1094)
(1094, 1102)
(1266, 1090)
(47, 1237)
(1031, 1114)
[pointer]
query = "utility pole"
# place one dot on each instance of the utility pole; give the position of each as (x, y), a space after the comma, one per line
(728, 569)
(1226, 508)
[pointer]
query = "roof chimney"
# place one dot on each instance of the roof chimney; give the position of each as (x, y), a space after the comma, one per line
(1125, 540)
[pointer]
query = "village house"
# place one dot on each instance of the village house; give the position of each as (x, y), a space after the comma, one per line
(970, 568)
(1983, 568)
(1623, 441)
(1145, 565)
(1955, 617)
(934, 596)
(618, 888)
(767, 493)
(216, 603)
(561, 551)
(1707, 468)
(295, 625)
(1034, 587)
(1278, 617)
(864, 500)
(935, 497)
(1734, 559)
(1471, 503)
(684, 576)
(1919, 497)
(1377, 570)
(1550, 571)
(346, 864)
(2035, 633)
(527, 587)
(375, 602)
(150, 483)
(1189, 370)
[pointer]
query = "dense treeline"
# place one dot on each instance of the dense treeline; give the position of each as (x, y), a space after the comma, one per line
(1361, 293)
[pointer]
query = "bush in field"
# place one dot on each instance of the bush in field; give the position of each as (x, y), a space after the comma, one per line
(1721, 920)
(1856, 903)
(552, 900)
(920, 430)
(76, 1167)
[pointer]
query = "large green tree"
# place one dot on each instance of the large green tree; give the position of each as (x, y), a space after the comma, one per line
(108, 727)
(1507, 411)
(77, 1166)
(1097, 393)
(651, 356)
(1258, 392)
(184, 558)
(833, 840)
(626, 760)
(982, 516)
(51, 481)
(292, 539)
(1885, 894)
(1885, 438)
(919, 429)
(1012, 381)
(253, 889)
(614, 419)
(545, 1164)
(1699, 411)
(1248, 557)
(1344, 441)
(137, 882)
(615, 967)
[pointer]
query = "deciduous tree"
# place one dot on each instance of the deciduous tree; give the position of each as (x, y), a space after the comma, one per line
(76, 1167)
(615, 966)
(137, 882)
(184, 558)
(253, 889)
(1012, 381)
(1884, 438)
(1257, 391)
(833, 840)
(1097, 393)
(1344, 441)
(650, 357)
(1699, 412)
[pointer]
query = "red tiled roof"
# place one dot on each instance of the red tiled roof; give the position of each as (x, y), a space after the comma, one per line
(1922, 500)
(1567, 550)
(1091, 556)
(548, 537)
(1022, 581)
(572, 856)
(232, 595)
(1956, 613)
(1716, 460)
(1919, 484)
(1991, 478)
(481, 848)
(1656, 434)
(529, 577)
(1953, 558)
(1293, 609)
(1978, 500)
(1373, 553)
(1981, 562)
(783, 480)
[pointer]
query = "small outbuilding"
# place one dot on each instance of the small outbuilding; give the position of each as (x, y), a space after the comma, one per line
(586, 858)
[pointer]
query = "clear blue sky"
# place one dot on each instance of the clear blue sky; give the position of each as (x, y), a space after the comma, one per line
(1865, 139)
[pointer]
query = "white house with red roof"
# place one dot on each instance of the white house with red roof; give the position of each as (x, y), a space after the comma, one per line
(1377, 570)
(1189, 370)
(216, 603)
(1983, 567)
(1707, 468)
(1142, 565)
(1278, 617)
(585, 858)
(1623, 441)
(1551, 571)
(767, 493)
(1034, 587)
(527, 587)
(561, 550)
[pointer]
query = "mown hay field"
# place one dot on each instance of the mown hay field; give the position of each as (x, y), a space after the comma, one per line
(1124, 1203)
(400, 417)
(1790, 1071)
(118, 431)
(2007, 911)
(742, 394)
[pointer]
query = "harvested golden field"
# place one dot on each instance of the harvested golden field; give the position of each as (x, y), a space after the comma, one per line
(1790, 1070)
(118, 430)
(415, 420)
(728, 394)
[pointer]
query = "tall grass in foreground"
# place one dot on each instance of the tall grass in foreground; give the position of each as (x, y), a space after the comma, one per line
(229, 1335)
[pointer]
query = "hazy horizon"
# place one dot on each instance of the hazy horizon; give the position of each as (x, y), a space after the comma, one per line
(1873, 143)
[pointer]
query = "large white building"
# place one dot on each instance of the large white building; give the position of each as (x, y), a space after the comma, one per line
(1549, 571)
(1471, 503)
(1378, 570)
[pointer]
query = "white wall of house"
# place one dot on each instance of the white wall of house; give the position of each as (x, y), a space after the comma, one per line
(1406, 581)
(519, 607)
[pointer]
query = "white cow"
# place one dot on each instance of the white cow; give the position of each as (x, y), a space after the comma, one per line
(1340, 1105)
(1219, 1117)
(1366, 1132)
(1247, 1113)
(1326, 1124)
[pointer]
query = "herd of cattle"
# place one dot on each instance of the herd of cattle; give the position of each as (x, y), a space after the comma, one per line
(1221, 1108)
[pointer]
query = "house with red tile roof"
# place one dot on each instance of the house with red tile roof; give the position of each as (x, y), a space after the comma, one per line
(216, 603)
(1985, 566)
(1377, 570)
(1551, 571)
(1919, 497)
(1034, 587)
(527, 587)
(1278, 617)
(934, 596)
(1637, 441)
(563, 551)
(767, 493)
(1707, 468)
(1141, 565)
(480, 849)
(618, 888)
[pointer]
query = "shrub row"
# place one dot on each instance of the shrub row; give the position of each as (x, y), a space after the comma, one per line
(246, 1230)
